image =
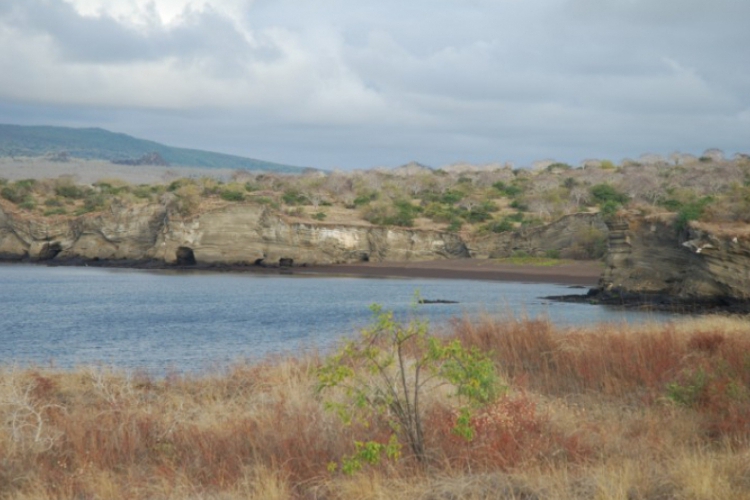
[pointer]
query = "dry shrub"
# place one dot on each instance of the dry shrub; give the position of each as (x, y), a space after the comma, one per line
(510, 433)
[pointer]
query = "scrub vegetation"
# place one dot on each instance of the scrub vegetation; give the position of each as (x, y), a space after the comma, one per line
(607, 412)
(474, 201)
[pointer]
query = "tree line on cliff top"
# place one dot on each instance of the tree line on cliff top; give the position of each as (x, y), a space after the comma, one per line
(460, 198)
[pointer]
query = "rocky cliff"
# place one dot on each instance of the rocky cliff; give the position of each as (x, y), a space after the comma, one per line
(234, 234)
(652, 259)
(575, 236)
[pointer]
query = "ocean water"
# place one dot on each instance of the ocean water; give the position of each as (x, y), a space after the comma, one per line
(163, 321)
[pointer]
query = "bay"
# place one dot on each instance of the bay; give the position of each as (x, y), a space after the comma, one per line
(164, 321)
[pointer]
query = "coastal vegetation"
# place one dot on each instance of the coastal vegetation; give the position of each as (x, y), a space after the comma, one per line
(470, 200)
(603, 412)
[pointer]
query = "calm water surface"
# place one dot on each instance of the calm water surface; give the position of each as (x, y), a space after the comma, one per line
(160, 321)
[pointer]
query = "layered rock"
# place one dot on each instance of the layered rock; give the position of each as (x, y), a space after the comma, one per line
(652, 257)
(235, 234)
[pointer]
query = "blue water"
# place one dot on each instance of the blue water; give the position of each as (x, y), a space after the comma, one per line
(189, 322)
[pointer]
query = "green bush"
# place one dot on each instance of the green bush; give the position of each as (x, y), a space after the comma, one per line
(519, 205)
(691, 211)
(232, 196)
(365, 198)
(451, 197)
(603, 193)
(511, 191)
(500, 226)
(454, 225)
(70, 191)
(53, 202)
(12, 194)
(28, 203)
(55, 211)
(294, 197)
(388, 373)
(143, 192)
(26, 184)
(609, 209)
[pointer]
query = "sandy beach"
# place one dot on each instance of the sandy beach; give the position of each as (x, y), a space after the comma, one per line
(580, 273)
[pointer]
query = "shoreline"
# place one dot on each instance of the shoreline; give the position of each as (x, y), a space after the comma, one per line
(574, 273)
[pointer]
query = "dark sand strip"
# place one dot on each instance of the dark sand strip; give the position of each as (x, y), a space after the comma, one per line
(574, 273)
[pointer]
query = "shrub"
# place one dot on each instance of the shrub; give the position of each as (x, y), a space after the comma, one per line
(319, 216)
(11, 194)
(28, 203)
(400, 213)
(53, 202)
(603, 193)
(454, 225)
(26, 184)
(232, 196)
(177, 184)
(500, 226)
(365, 198)
(143, 192)
(451, 197)
(387, 373)
(294, 197)
(609, 209)
(691, 211)
(70, 191)
(519, 205)
(589, 244)
(55, 211)
(511, 191)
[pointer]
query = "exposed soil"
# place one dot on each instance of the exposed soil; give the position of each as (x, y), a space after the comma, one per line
(581, 273)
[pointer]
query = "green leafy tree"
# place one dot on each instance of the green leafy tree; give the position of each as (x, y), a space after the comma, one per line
(387, 372)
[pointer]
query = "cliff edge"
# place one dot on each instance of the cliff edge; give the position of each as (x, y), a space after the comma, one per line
(652, 260)
(225, 235)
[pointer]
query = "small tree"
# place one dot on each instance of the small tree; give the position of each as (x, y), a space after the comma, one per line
(387, 373)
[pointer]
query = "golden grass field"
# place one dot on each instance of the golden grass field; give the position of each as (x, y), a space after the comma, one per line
(608, 412)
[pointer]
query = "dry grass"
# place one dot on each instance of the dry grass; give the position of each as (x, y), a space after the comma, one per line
(613, 412)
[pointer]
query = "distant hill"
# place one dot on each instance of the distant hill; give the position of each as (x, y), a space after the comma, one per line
(100, 144)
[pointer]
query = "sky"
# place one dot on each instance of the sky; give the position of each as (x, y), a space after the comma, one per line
(337, 84)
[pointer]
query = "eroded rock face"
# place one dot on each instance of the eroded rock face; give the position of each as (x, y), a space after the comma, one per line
(652, 256)
(574, 236)
(240, 234)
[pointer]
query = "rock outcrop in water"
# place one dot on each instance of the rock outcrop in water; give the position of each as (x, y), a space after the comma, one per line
(234, 234)
(652, 261)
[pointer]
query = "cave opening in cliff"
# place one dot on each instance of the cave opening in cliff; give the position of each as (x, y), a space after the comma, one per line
(364, 257)
(50, 250)
(286, 262)
(185, 257)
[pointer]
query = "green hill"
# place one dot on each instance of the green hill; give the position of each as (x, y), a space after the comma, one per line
(100, 144)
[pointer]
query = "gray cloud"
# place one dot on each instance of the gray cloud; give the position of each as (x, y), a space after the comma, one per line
(335, 83)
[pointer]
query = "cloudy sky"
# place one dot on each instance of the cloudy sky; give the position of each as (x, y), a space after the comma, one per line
(356, 84)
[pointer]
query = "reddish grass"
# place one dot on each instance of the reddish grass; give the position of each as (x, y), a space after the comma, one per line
(625, 363)
(579, 401)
